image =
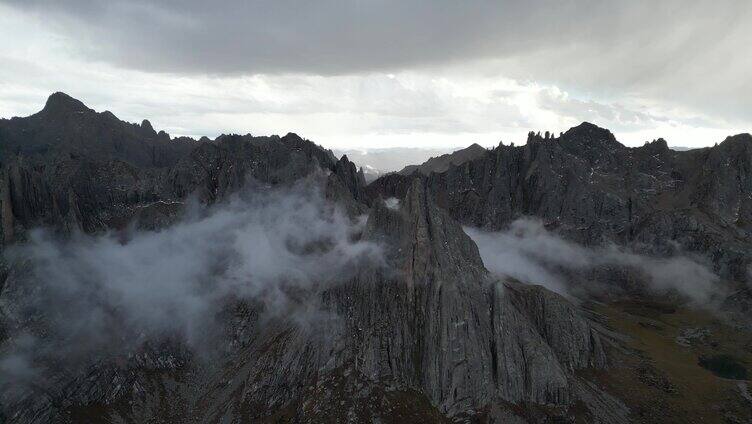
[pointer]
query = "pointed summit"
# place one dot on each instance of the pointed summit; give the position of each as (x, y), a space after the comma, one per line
(62, 103)
(147, 130)
(590, 134)
(597, 145)
(146, 125)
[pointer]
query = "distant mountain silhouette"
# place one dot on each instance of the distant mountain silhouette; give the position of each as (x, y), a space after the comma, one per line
(443, 162)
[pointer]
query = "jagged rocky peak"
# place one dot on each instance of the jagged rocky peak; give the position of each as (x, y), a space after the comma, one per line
(430, 242)
(473, 149)
(345, 160)
(595, 144)
(293, 136)
(348, 171)
(535, 137)
(361, 176)
(295, 141)
(589, 141)
(650, 152)
(60, 102)
(449, 243)
(589, 136)
(589, 132)
(146, 130)
(146, 125)
(658, 144)
(347, 186)
(473, 344)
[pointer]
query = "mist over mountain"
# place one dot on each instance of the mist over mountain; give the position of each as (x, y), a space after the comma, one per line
(529, 253)
(246, 278)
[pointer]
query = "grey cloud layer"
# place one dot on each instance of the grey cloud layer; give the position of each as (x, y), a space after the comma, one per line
(328, 36)
(687, 52)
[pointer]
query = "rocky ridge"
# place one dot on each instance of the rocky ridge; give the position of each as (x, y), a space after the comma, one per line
(588, 187)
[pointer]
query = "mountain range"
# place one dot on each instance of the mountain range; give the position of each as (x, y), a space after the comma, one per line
(567, 279)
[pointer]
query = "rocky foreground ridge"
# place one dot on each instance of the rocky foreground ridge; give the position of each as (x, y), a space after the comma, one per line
(428, 336)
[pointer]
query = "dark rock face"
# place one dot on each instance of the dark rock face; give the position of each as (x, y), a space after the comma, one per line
(346, 185)
(591, 188)
(474, 340)
(214, 170)
(353, 178)
(390, 185)
(66, 125)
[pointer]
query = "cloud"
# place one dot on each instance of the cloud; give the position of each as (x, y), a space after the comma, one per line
(530, 253)
(111, 293)
(392, 203)
(609, 49)
(514, 67)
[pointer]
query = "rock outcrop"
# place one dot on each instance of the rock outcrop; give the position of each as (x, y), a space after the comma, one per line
(474, 341)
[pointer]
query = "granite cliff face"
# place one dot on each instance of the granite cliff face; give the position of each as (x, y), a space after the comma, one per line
(425, 334)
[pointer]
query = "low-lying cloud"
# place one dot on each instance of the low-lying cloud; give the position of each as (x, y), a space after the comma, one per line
(530, 253)
(113, 292)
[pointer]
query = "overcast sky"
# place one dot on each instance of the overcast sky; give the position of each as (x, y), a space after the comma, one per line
(360, 73)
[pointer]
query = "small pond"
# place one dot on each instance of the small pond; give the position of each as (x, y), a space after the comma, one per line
(724, 366)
